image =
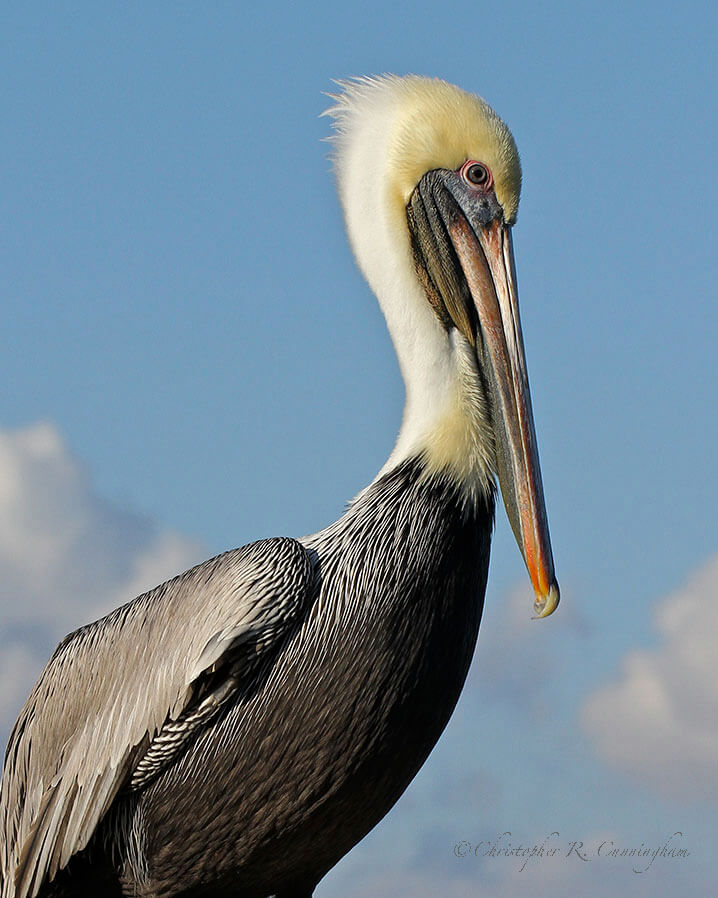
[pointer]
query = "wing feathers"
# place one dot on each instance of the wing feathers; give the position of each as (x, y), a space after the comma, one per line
(124, 680)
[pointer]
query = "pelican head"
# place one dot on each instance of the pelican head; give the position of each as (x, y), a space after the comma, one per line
(429, 179)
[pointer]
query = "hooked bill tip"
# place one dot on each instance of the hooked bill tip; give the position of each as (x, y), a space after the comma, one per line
(545, 605)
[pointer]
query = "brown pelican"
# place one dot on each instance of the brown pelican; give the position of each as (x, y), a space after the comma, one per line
(236, 730)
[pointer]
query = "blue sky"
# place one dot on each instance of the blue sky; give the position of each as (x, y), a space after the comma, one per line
(190, 360)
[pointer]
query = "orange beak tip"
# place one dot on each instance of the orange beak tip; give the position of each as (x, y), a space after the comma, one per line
(547, 604)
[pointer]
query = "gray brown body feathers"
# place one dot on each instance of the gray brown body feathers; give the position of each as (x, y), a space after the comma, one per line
(237, 730)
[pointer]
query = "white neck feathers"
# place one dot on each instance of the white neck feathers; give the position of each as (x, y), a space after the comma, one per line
(445, 420)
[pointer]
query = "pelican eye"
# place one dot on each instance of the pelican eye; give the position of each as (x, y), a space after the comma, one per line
(476, 174)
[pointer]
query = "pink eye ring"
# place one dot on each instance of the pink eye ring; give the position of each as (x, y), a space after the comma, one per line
(476, 175)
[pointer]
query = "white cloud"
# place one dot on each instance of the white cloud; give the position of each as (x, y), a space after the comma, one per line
(19, 666)
(67, 555)
(659, 721)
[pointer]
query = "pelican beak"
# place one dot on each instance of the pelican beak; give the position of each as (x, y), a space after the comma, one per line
(463, 242)
(487, 259)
